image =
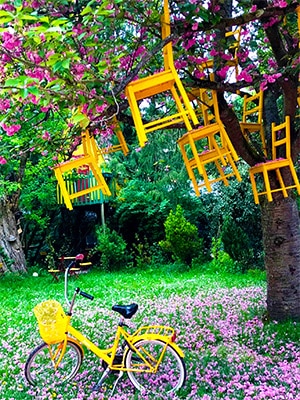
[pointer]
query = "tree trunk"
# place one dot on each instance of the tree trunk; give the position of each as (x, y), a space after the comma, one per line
(11, 252)
(281, 238)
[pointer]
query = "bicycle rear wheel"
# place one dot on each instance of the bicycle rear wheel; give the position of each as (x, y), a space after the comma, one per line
(39, 368)
(171, 373)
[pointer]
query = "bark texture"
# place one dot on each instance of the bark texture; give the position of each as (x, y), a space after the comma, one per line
(11, 256)
(280, 224)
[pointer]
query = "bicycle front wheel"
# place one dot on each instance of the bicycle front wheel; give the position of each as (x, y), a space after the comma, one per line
(39, 368)
(170, 375)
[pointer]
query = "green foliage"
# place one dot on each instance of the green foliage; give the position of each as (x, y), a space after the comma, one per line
(112, 248)
(222, 262)
(182, 239)
(236, 243)
(234, 205)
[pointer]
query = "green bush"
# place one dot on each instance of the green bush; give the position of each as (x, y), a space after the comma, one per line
(236, 243)
(182, 239)
(222, 262)
(112, 249)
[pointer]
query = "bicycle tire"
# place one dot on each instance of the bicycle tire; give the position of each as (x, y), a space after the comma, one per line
(39, 368)
(170, 376)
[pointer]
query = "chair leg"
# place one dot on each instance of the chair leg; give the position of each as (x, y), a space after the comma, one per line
(184, 113)
(63, 188)
(254, 187)
(267, 185)
(282, 185)
(136, 115)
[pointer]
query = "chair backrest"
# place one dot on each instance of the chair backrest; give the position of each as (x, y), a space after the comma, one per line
(253, 108)
(281, 144)
(209, 106)
(234, 37)
(165, 32)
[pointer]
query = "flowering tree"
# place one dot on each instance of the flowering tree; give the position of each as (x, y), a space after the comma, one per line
(60, 55)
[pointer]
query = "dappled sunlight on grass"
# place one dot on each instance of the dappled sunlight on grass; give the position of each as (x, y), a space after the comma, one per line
(231, 351)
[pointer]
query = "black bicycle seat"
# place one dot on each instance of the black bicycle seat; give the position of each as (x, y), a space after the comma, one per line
(126, 311)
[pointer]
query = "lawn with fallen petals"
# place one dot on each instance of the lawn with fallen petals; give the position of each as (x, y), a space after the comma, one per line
(231, 349)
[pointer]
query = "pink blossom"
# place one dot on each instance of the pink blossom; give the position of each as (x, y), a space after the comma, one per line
(223, 72)
(280, 4)
(195, 26)
(4, 104)
(179, 64)
(213, 53)
(253, 8)
(243, 75)
(2, 160)
(101, 108)
(190, 43)
(46, 135)
(10, 130)
(10, 42)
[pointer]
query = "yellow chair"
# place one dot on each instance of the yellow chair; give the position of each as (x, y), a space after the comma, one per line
(121, 146)
(252, 121)
(161, 82)
(208, 145)
(233, 38)
(207, 105)
(280, 141)
(91, 159)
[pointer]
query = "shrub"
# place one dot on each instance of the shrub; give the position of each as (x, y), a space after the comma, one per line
(112, 248)
(222, 262)
(182, 239)
(236, 243)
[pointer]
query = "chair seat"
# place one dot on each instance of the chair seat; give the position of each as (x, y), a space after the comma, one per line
(151, 85)
(271, 164)
(251, 126)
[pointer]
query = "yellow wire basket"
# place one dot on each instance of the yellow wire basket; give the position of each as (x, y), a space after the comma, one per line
(52, 321)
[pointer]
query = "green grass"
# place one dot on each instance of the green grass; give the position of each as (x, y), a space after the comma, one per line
(218, 317)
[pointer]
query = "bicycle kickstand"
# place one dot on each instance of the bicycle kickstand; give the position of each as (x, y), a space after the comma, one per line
(121, 373)
(102, 379)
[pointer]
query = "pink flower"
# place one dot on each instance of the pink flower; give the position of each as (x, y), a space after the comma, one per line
(243, 75)
(101, 108)
(10, 130)
(223, 72)
(253, 8)
(4, 104)
(2, 160)
(280, 4)
(46, 135)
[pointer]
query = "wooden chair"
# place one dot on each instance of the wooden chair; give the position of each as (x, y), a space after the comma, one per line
(206, 104)
(121, 142)
(90, 158)
(252, 121)
(208, 149)
(233, 38)
(280, 143)
(162, 82)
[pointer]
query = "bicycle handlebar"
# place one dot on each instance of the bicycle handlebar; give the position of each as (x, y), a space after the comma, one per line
(77, 291)
(86, 295)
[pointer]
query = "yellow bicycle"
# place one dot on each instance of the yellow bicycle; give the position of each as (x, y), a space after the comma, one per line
(153, 361)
